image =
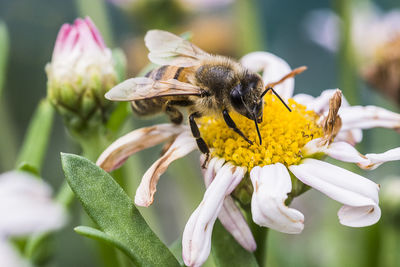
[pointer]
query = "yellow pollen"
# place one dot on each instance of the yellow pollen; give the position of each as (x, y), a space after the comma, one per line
(283, 135)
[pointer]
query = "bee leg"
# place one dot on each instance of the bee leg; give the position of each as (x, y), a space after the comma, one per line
(201, 144)
(174, 114)
(231, 124)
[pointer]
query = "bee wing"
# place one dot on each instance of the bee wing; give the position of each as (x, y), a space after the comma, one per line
(168, 49)
(144, 88)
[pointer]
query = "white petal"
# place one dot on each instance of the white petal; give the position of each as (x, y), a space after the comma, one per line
(271, 185)
(343, 186)
(338, 150)
(119, 151)
(183, 145)
(232, 219)
(323, 27)
(359, 117)
(303, 99)
(319, 104)
(359, 216)
(196, 240)
(230, 215)
(213, 167)
(375, 160)
(8, 256)
(353, 136)
(26, 206)
(273, 69)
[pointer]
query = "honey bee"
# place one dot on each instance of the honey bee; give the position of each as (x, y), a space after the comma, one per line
(203, 83)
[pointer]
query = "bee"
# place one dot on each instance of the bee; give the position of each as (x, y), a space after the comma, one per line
(207, 85)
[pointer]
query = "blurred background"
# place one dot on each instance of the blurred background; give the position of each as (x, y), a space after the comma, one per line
(231, 28)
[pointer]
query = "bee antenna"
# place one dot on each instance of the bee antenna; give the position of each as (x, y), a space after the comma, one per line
(275, 93)
(254, 118)
(258, 130)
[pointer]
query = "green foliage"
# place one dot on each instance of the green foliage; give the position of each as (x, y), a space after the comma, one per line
(121, 224)
(227, 252)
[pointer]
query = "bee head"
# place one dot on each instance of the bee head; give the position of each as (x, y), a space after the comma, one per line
(245, 98)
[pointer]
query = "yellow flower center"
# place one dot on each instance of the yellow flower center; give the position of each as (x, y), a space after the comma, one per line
(283, 135)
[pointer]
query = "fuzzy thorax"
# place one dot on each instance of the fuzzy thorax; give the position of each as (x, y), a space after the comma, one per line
(283, 134)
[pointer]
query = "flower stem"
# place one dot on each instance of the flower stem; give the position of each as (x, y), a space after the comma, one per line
(37, 138)
(4, 50)
(8, 142)
(261, 236)
(347, 61)
(248, 19)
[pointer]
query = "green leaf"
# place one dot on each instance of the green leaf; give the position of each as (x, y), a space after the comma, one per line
(101, 236)
(227, 252)
(37, 137)
(4, 45)
(176, 249)
(112, 210)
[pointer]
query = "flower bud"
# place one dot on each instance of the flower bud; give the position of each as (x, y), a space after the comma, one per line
(81, 71)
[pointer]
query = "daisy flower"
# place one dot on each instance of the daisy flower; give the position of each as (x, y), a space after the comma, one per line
(323, 28)
(378, 57)
(286, 165)
(26, 207)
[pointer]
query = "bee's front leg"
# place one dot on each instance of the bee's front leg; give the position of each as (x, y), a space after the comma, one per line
(196, 134)
(231, 124)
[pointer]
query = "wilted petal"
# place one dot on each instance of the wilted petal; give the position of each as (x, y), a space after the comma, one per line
(230, 215)
(182, 145)
(271, 185)
(26, 206)
(359, 117)
(119, 151)
(338, 150)
(273, 68)
(196, 240)
(375, 160)
(358, 194)
(320, 105)
(8, 255)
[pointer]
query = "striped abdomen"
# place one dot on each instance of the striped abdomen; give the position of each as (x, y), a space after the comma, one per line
(156, 105)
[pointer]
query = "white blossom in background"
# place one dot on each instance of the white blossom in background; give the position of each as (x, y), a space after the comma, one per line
(370, 27)
(193, 4)
(336, 127)
(26, 207)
